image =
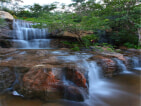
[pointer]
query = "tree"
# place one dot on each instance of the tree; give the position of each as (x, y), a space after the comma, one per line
(36, 9)
(124, 19)
(120, 19)
(48, 8)
(78, 1)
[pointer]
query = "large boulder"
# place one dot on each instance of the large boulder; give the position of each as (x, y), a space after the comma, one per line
(41, 82)
(6, 15)
(39, 78)
(68, 34)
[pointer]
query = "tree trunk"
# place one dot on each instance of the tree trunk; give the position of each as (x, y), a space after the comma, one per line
(139, 36)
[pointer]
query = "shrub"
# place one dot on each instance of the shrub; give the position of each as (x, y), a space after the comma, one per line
(89, 40)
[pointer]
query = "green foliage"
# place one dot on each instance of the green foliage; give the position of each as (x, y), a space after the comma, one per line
(129, 45)
(66, 43)
(2, 22)
(78, 1)
(76, 48)
(25, 13)
(106, 45)
(35, 11)
(8, 10)
(118, 18)
(89, 40)
(124, 18)
(90, 37)
(110, 50)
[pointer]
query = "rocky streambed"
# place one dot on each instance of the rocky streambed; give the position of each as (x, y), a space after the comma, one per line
(63, 74)
(38, 74)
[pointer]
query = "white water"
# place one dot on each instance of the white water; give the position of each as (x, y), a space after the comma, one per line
(136, 63)
(122, 66)
(98, 87)
(27, 37)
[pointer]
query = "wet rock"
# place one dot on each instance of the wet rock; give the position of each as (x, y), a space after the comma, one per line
(73, 93)
(6, 30)
(42, 53)
(7, 50)
(5, 43)
(7, 78)
(69, 92)
(40, 77)
(74, 74)
(51, 60)
(135, 50)
(39, 82)
(108, 65)
(115, 55)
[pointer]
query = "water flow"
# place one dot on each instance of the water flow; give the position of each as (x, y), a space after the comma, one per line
(97, 86)
(25, 36)
(121, 66)
(136, 63)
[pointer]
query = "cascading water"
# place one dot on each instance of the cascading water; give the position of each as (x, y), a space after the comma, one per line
(27, 37)
(122, 66)
(136, 63)
(97, 86)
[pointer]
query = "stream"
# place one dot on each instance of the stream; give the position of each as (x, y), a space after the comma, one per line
(33, 50)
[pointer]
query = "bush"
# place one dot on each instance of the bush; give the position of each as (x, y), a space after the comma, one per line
(130, 45)
(89, 40)
(24, 13)
(76, 48)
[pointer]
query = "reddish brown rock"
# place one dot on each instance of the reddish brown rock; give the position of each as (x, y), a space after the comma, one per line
(42, 83)
(39, 78)
(73, 74)
(107, 64)
(115, 55)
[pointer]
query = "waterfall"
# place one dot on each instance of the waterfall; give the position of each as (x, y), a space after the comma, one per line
(121, 66)
(136, 63)
(25, 36)
(97, 85)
